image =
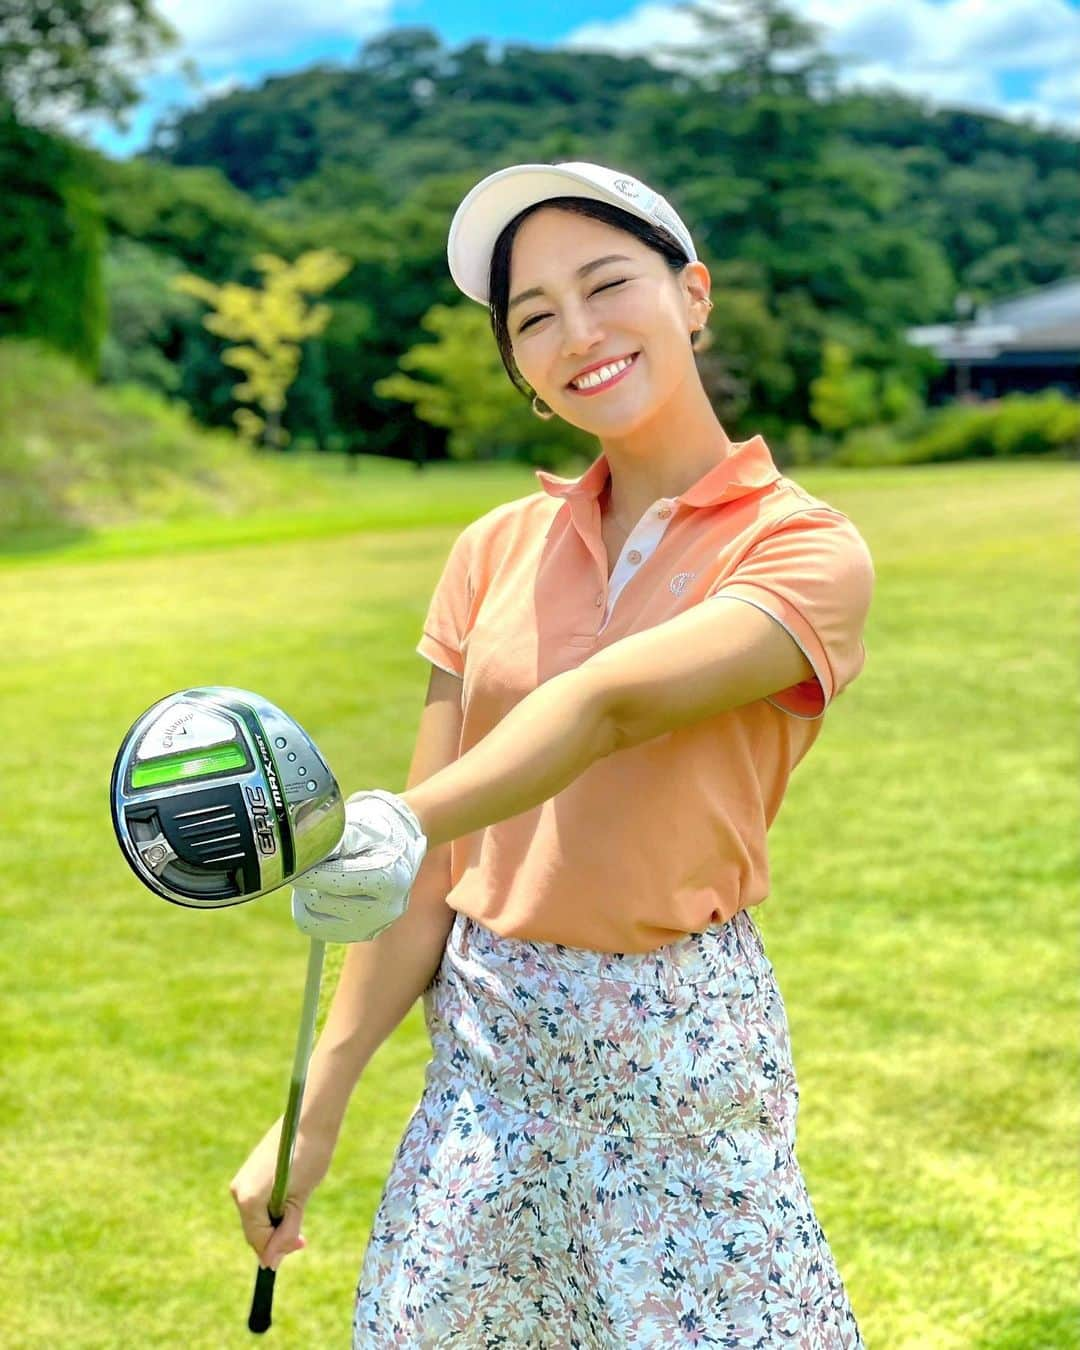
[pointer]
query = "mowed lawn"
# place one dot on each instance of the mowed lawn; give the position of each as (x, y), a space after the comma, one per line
(922, 922)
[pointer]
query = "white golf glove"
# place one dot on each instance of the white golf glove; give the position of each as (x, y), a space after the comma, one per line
(364, 885)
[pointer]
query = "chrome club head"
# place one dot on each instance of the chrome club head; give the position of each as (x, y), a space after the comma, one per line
(218, 797)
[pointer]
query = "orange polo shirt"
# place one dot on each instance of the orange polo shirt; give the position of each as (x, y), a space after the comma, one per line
(667, 837)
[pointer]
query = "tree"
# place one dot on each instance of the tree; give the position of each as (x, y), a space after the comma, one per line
(402, 53)
(762, 47)
(744, 351)
(843, 396)
(58, 57)
(275, 321)
(52, 240)
(846, 395)
(147, 317)
(465, 389)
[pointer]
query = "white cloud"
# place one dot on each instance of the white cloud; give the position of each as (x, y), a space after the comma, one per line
(1059, 93)
(1013, 33)
(643, 30)
(218, 34)
(951, 53)
(225, 84)
(232, 44)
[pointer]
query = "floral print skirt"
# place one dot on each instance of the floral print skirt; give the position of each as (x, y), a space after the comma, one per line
(602, 1157)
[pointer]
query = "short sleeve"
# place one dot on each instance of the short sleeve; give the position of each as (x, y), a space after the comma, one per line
(814, 575)
(447, 618)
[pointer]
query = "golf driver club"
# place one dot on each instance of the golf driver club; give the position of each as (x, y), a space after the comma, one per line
(218, 797)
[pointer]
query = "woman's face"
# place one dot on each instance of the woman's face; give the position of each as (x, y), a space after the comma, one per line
(630, 305)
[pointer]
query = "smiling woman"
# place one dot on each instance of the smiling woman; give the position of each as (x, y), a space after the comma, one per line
(604, 1151)
(652, 237)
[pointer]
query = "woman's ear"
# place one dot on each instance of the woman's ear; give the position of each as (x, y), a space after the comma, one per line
(697, 284)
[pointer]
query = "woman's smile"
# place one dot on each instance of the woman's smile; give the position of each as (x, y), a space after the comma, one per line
(596, 381)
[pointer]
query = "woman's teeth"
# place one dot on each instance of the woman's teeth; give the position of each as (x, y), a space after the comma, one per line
(602, 375)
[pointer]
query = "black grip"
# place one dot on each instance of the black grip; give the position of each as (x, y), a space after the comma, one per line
(262, 1301)
(262, 1298)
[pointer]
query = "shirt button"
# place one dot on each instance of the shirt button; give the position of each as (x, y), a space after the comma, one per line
(664, 512)
(634, 556)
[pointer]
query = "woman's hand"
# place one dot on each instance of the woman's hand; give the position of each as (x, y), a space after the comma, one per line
(363, 886)
(251, 1188)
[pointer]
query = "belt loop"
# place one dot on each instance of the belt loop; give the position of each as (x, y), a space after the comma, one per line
(458, 939)
(667, 972)
(748, 935)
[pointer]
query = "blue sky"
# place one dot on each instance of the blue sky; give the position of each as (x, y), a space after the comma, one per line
(1019, 58)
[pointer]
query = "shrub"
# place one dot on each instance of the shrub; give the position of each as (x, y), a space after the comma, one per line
(74, 455)
(1016, 425)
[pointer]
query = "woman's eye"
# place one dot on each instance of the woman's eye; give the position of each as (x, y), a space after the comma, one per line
(537, 317)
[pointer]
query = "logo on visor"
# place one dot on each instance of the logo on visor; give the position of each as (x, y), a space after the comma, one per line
(627, 187)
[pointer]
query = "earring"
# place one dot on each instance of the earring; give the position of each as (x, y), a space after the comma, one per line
(541, 409)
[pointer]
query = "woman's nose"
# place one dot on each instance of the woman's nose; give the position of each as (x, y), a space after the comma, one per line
(580, 331)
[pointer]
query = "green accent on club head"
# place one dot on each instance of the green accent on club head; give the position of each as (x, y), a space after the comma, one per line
(177, 768)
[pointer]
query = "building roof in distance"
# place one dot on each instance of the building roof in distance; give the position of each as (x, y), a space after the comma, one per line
(1044, 319)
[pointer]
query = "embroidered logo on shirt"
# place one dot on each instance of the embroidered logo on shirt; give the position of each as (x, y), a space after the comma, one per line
(680, 581)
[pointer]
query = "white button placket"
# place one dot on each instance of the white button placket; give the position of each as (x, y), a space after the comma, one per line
(640, 545)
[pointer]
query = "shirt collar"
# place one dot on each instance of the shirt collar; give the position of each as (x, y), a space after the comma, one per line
(747, 467)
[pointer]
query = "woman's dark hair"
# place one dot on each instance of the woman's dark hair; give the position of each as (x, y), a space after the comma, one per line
(652, 236)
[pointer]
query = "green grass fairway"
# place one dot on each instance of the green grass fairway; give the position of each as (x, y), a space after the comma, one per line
(923, 917)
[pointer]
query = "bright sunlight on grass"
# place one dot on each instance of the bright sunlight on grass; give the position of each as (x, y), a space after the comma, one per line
(922, 921)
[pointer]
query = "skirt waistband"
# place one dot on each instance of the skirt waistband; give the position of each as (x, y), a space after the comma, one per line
(692, 959)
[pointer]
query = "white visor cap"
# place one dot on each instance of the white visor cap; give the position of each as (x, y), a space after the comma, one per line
(498, 198)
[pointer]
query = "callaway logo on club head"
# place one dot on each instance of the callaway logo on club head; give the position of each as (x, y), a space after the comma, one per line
(176, 728)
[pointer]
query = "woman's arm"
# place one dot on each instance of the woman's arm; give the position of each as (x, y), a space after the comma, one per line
(713, 657)
(379, 982)
(541, 745)
(381, 979)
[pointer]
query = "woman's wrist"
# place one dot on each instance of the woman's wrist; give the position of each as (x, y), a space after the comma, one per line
(397, 801)
(410, 800)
